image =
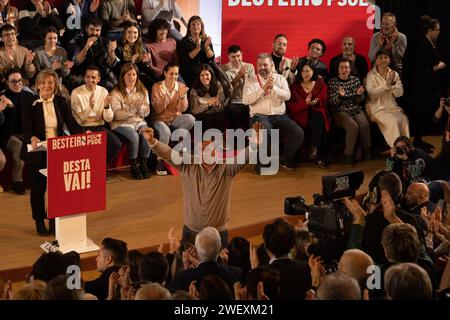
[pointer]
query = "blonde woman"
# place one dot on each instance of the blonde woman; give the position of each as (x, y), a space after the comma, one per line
(43, 116)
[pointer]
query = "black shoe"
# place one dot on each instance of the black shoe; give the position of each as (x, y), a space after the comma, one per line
(51, 225)
(367, 154)
(41, 228)
(349, 160)
(161, 168)
(17, 187)
(144, 168)
(135, 170)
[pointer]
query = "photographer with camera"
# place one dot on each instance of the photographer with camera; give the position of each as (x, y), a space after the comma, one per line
(413, 164)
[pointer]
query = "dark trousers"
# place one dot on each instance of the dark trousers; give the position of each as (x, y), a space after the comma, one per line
(38, 186)
(189, 236)
(238, 115)
(113, 143)
(213, 120)
(289, 129)
(316, 125)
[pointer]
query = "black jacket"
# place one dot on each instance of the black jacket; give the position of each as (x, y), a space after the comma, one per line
(99, 287)
(295, 278)
(229, 274)
(33, 124)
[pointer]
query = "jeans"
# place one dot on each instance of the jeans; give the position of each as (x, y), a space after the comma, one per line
(136, 142)
(184, 121)
(189, 236)
(113, 143)
(289, 129)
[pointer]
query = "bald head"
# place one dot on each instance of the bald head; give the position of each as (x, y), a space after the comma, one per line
(417, 193)
(348, 46)
(354, 263)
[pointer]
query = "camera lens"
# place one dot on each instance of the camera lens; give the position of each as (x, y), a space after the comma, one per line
(400, 151)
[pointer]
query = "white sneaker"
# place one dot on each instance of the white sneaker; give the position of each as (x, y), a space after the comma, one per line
(161, 168)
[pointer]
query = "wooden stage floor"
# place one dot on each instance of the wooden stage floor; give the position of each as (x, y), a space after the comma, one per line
(141, 212)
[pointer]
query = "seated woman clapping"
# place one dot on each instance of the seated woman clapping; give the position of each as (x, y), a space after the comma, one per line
(207, 100)
(308, 107)
(169, 101)
(383, 86)
(130, 103)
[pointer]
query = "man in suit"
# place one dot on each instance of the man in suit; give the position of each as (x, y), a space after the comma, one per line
(207, 245)
(295, 276)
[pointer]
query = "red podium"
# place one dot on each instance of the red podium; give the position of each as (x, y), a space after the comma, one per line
(76, 181)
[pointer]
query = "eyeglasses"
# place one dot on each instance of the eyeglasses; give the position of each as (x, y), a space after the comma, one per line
(16, 81)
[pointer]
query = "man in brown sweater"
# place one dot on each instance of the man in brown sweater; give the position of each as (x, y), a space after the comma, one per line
(206, 186)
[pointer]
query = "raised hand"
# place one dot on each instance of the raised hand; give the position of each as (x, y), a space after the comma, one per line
(146, 57)
(308, 99)
(183, 91)
(260, 295)
(29, 57)
(389, 207)
(240, 292)
(148, 134)
(355, 209)
(68, 64)
(174, 243)
(360, 91)
(254, 262)
(34, 142)
(112, 284)
(223, 254)
(135, 57)
(193, 289)
(56, 65)
(94, 5)
(107, 101)
(47, 7)
(208, 42)
(342, 91)
(92, 100)
(4, 102)
(317, 270)
(112, 45)
(243, 71)
(294, 63)
(90, 42)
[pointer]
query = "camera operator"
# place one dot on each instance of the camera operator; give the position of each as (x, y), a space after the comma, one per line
(442, 114)
(413, 164)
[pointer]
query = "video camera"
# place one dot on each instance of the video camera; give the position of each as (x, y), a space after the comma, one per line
(328, 218)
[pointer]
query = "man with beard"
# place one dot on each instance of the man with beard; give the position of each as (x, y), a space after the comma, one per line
(206, 182)
(91, 51)
(284, 66)
(359, 64)
(391, 40)
(266, 94)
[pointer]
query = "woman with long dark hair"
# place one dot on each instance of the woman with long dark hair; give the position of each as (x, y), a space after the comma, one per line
(207, 100)
(131, 104)
(429, 65)
(308, 107)
(130, 48)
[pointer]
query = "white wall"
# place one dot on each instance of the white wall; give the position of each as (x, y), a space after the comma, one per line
(211, 13)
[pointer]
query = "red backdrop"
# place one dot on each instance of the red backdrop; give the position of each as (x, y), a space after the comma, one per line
(76, 174)
(254, 27)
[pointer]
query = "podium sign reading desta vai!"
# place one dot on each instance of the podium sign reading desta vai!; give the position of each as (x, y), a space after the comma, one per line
(76, 174)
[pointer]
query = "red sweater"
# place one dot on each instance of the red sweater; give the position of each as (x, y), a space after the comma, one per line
(299, 110)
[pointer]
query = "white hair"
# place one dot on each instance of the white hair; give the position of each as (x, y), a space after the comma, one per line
(207, 244)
